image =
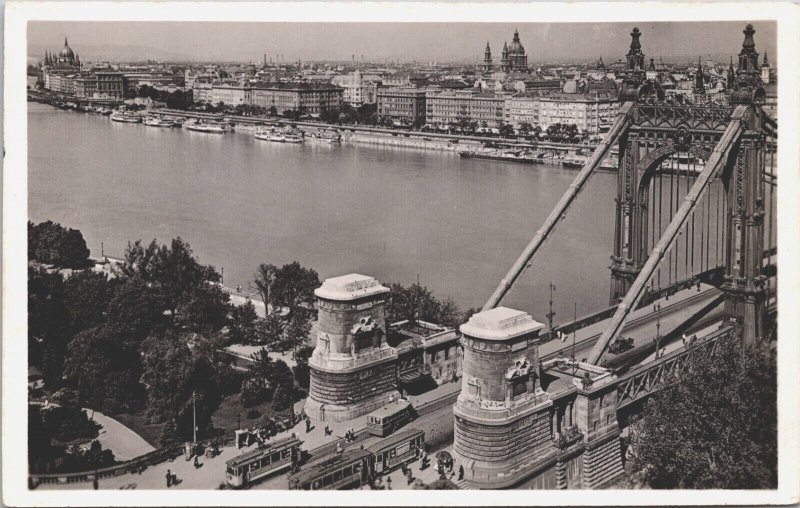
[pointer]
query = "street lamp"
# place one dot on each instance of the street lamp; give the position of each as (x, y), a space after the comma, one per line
(657, 310)
(551, 314)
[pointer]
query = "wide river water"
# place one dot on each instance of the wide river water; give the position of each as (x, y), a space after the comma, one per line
(395, 214)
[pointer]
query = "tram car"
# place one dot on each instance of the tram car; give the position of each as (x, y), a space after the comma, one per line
(249, 467)
(347, 470)
(395, 451)
(385, 420)
(354, 467)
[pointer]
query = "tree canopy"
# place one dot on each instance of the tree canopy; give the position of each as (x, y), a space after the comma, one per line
(416, 302)
(717, 427)
(51, 243)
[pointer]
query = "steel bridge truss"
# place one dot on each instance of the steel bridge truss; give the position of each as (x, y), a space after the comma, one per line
(643, 381)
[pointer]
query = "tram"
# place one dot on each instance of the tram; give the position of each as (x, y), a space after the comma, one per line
(348, 470)
(385, 420)
(393, 452)
(267, 459)
(354, 467)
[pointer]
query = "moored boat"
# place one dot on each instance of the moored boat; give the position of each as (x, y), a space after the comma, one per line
(155, 121)
(125, 117)
(205, 127)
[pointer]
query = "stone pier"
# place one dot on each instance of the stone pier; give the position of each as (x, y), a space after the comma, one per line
(502, 416)
(353, 369)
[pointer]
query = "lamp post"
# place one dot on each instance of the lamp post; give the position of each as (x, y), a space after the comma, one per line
(194, 420)
(551, 314)
(657, 309)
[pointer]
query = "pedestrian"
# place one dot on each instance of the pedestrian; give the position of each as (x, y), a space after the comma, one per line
(328, 431)
(461, 472)
(196, 462)
(339, 448)
(169, 478)
(95, 483)
(308, 425)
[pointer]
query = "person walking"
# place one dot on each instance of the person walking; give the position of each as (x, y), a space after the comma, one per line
(461, 472)
(169, 478)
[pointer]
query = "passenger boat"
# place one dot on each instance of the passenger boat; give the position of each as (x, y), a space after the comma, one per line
(125, 117)
(293, 137)
(504, 156)
(330, 137)
(263, 134)
(155, 121)
(249, 467)
(573, 162)
(205, 127)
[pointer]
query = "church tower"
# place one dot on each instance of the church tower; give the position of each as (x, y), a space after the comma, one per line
(748, 58)
(731, 76)
(765, 69)
(635, 55)
(504, 64)
(699, 79)
(487, 58)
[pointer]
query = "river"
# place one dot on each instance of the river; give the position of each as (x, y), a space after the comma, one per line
(395, 214)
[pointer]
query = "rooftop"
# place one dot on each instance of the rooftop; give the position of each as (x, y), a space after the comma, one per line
(349, 287)
(500, 323)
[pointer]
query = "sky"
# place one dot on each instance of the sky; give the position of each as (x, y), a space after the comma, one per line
(387, 42)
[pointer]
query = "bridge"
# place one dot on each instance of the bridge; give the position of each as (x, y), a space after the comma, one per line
(694, 263)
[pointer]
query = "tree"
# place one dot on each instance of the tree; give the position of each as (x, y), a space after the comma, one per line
(87, 295)
(416, 302)
(263, 282)
(296, 334)
(271, 330)
(173, 272)
(49, 242)
(205, 310)
(99, 367)
(716, 427)
(506, 131)
(272, 111)
(170, 434)
(166, 373)
(294, 287)
(134, 312)
(48, 323)
(244, 325)
(283, 381)
(302, 372)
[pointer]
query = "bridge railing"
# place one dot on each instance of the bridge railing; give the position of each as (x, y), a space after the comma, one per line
(645, 379)
(130, 466)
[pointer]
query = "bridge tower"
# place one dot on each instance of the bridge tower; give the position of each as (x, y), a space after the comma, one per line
(744, 283)
(628, 256)
(353, 369)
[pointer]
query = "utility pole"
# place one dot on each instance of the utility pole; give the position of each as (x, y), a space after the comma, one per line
(657, 309)
(551, 314)
(574, 330)
(194, 419)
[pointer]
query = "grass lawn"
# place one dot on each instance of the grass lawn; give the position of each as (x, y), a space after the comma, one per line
(150, 432)
(225, 415)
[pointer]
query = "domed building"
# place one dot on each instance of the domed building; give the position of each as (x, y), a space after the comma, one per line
(517, 59)
(513, 58)
(66, 59)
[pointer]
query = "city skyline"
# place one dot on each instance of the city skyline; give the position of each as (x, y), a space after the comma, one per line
(377, 42)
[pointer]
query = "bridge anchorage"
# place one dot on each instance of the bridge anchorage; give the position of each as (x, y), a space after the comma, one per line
(695, 208)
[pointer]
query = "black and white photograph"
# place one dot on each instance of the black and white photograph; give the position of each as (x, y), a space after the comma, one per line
(365, 251)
